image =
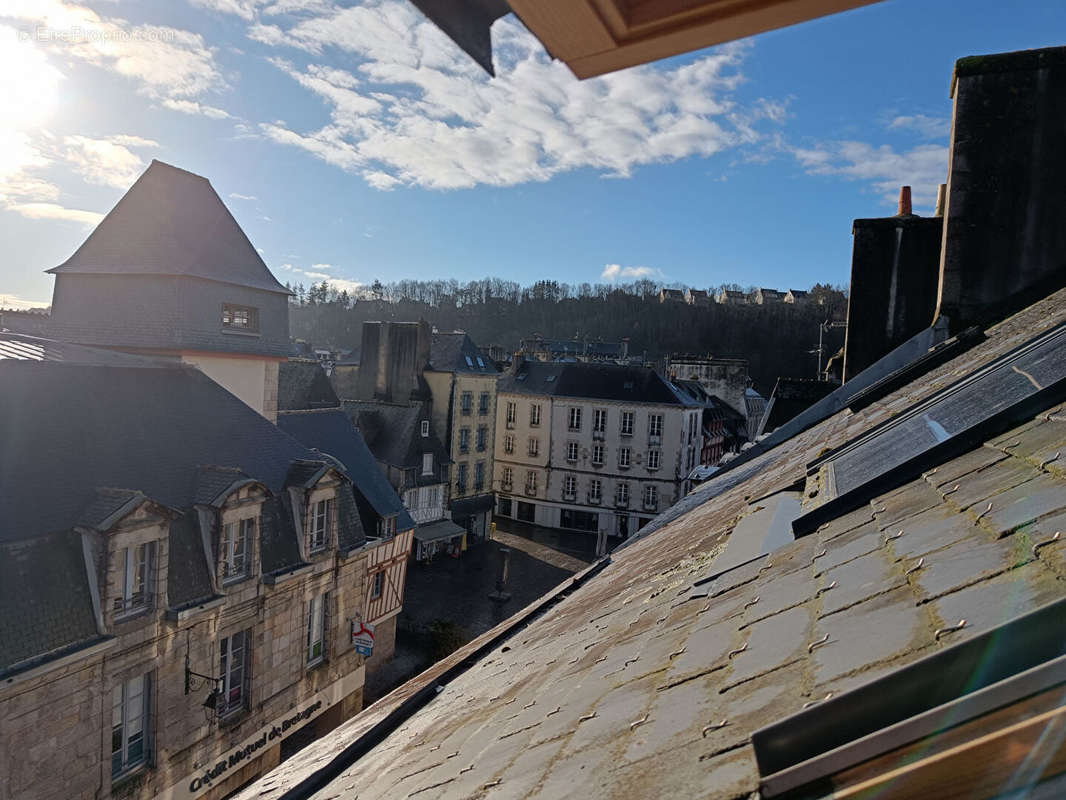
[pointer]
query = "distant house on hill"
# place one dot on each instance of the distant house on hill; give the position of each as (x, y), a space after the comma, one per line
(671, 296)
(761, 297)
(732, 297)
(697, 297)
(797, 296)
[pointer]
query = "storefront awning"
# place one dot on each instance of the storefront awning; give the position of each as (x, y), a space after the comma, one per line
(435, 531)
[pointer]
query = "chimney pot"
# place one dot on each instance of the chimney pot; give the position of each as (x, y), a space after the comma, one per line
(905, 201)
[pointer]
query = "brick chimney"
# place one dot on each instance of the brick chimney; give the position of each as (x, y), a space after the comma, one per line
(894, 276)
(1004, 238)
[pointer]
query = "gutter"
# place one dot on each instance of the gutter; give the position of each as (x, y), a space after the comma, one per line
(412, 705)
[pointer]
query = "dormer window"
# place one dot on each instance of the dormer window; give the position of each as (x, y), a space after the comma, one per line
(425, 428)
(241, 318)
(136, 564)
(387, 527)
(427, 463)
(321, 524)
(237, 538)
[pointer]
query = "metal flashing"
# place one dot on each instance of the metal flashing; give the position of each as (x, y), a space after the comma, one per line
(1022, 657)
(951, 422)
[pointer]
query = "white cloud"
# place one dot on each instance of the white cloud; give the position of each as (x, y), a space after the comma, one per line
(239, 196)
(322, 267)
(415, 110)
(612, 273)
(108, 161)
(923, 167)
(245, 9)
(163, 62)
(343, 285)
(194, 107)
(925, 126)
(318, 275)
(54, 211)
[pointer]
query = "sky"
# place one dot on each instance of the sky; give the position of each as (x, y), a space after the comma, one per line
(355, 142)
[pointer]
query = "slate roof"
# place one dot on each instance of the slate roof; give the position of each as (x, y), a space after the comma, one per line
(640, 678)
(20, 347)
(393, 432)
(304, 385)
(448, 352)
(172, 222)
(149, 429)
(332, 433)
(44, 594)
(594, 381)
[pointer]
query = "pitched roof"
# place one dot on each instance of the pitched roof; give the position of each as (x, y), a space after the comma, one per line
(455, 351)
(149, 429)
(332, 433)
(648, 674)
(593, 380)
(393, 431)
(171, 222)
(304, 385)
(20, 347)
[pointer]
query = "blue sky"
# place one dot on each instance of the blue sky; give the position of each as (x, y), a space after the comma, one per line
(354, 141)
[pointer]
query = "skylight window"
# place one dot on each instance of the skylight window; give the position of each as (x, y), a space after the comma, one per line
(480, 363)
(946, 425)
(469, 362)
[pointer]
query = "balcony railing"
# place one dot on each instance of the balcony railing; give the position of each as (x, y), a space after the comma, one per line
(655, 439)
(531, 490)
(510, 424)
(625, 432)
(593, 499)
(599, 436)
(621, 502)
(651, 505)
(506, 486)
(569, 497)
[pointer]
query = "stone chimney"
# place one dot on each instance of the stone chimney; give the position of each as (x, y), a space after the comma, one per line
(894, 276)
(1004, 238)
(393, 358)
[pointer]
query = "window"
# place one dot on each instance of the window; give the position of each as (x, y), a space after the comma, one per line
(469, 363)
(654, 457)
(233, 671)
(507, 475)
(595, 490)
(651, 496)
(534, 414)
(129, 724)
(483, 403)
(570, 486)
(136, 573)
(508, 443)
(531, 482)
(571, 451)
(316, 629)
(464, 440)
(511, 413)
(467, 402)
(621, 494)
(627, 423)
(243, 318)
(479, 475)
(378, 586)
(575, 419)
(237, 538)
(387, 527)
(599, 420)
(321, 524)
(534, 447)
(597, 454)
(427, 463)
(425, 428)
(482, 438)
(623, 457)
(460, 481)
(655, 425)
(481, 362)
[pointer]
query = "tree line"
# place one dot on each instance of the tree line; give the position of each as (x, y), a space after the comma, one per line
(776, 339)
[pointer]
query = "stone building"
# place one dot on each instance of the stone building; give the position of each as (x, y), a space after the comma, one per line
(732, 297)
(671, 296)
(405, 444)
(179, 580)
(169, 272)
(725, 378)
(462, 383)
(697, 297)
(797, 297)
(591, 447)
(762, 297)
(388, 525)
(723, 429)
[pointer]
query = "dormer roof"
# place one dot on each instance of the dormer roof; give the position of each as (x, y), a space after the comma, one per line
(172, 222)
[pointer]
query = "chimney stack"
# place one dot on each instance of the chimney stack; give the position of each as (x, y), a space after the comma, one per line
(941, 199)
(1004, 241)
(904, 202)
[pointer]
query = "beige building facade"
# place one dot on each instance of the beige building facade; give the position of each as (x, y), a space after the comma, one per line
(595, 448)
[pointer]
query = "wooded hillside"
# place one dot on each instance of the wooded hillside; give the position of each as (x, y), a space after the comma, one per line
(774, 338)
